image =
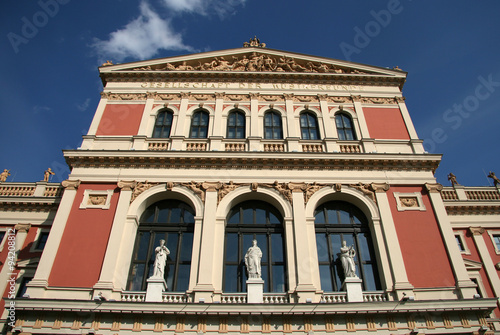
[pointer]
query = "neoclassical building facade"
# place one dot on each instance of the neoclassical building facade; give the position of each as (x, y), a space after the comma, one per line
(212, 151)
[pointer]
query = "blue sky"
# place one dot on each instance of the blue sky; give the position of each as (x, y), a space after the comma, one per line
(50, 51)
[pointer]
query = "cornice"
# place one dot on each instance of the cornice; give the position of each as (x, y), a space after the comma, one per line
(250, 160)
(31, 204)
(472, 209)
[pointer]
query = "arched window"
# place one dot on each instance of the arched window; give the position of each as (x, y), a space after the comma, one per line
(172, 221)
(345, 128)
(272, 126)
(236, 125)
(338, 221)
(245, 222)
(163, 124)
(199, 125)
(309, 126)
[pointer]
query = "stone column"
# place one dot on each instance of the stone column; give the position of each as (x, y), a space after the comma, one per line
(397, 265)
(463, 282)
(417, 144)
(98, 114)
(306, 265)
(489, 266)
(36, 287)
(116, 244)
(13, 245)
(205, 288)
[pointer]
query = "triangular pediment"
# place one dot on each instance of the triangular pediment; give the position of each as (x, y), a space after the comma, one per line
(471, 265)
(256, 60)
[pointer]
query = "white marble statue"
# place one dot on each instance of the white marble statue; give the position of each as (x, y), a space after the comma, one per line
(252, 261)
(160, 260)
(347, 255)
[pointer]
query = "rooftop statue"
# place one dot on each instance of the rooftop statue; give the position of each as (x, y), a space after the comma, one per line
(47, 173)
(453, 179)
(496, 181)
(4, 175)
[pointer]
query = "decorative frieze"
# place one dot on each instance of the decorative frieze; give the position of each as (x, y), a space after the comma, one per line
(141, 187)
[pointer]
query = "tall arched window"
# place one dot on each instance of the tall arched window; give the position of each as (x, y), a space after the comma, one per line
(345, 128)
(309, 126)
(245, 222)
(163, 124)
(272, 126)
(199, 125)
(338, 221)
(172, 221)
(236, 124)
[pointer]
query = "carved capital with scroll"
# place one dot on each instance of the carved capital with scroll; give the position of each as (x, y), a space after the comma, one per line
(433, 188)
(71, 184)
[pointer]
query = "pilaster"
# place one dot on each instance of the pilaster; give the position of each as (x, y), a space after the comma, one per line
(305, 267)
(116, 242)
(205, 286)
(464, 284)
(8, 274)
(255, 130)
(489, 266)
(181, 119)
(36, 287)
(290, 118)
(397, 265)
(98, 114)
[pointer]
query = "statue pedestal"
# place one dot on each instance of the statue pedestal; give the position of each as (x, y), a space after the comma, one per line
(156, 286)
(354, 290)
(255, 291)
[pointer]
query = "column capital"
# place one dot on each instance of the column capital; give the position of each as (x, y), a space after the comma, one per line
(400, 99)
(71, 184)
(254, 95)
(477, 230)
(127, 185)
(151, 95)
(379, 187)
(356, 98)
(288, 96)
(322, 97)
(22, 227)
(185, 95)
(433, 188)
(220, 95)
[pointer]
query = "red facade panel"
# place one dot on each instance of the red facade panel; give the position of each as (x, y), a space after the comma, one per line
(120, 120)
(424, 253)
(81, 253)
(385, 123)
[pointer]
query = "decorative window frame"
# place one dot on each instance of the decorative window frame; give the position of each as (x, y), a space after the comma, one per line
(461, 236)
(417, 195)
(491, 233)
(88, 193)
(34, 246)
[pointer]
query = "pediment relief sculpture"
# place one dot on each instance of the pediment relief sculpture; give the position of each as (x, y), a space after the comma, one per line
(251, 62)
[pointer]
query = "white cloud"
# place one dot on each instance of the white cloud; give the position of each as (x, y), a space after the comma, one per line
(141, 38)
(204, 7)
(83, 106)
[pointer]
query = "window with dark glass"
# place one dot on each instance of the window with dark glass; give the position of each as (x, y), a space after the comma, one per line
(245, 222)
(338, 221)
(22, 287)
(42, 240)
(309, 126)
(272, 126)
(172, 221)
(345, 129)
(460, 243)
(496, 240)
(236, 125)
(163, 124)
(2, 235)
(199, 125)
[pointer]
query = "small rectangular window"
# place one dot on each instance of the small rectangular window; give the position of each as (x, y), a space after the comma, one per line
(460, 244)
(42, 240)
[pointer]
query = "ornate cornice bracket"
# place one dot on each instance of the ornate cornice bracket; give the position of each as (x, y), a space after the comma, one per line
(476, 230)
(433, 188)
(71, 184)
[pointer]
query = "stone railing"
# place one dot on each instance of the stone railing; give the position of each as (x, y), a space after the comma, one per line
(482, 194)
(340, 297)
(461, 193)
(276, 298)
(350, 148)
(196, 146)
(274, 147)
(17, 191)
(158, 146)
(241, 298)
(312, 148)
(235, 146)
(167, 297)
(234, 298)
(40, 189)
